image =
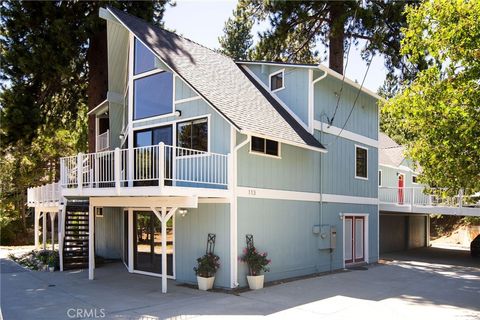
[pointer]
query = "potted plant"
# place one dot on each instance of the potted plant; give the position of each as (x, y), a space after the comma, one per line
(256, 262)
(51, 263)
(207, 266)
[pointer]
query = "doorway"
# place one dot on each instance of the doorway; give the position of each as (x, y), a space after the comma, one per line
(147, 247)
(355, 238)
(401, 185)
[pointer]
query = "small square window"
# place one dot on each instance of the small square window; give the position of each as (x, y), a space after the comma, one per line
(361, 162)
(276, 81)
(414, 179)
(265, 146)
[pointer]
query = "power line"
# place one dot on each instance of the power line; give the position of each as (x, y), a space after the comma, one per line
(330, 121)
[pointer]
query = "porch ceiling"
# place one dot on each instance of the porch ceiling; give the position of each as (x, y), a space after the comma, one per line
(145, 202)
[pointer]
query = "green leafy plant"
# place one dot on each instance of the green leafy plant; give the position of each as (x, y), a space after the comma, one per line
(207, 265)
(256, 261)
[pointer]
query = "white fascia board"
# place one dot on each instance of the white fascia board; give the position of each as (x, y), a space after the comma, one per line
(345, 134)
(100, 108)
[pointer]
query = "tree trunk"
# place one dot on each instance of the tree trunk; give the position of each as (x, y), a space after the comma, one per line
(98, 78)
(336, 36)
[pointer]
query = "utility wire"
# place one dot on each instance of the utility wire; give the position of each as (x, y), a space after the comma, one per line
(330, 121)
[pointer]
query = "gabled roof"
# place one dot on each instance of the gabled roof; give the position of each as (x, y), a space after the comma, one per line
(221, 82)
(389, 152)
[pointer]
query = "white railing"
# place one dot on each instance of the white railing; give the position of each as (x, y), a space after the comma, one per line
(420, 196)
(156, 165)
(49, 193)
(103, 141)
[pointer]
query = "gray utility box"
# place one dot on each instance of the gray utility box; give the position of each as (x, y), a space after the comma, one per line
(327, 236)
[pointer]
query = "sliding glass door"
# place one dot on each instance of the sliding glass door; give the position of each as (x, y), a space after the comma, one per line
(148, 243)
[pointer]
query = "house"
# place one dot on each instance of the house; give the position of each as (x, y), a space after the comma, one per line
(191, 143)
(405, 204)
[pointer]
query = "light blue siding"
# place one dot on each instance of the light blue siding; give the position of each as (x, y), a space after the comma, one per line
(115, 112)
(191, 240)
(297, 170)
(295, 94)
(284, 229)
(182, 90)
(339, 168)
(364, 118)
(109, 234)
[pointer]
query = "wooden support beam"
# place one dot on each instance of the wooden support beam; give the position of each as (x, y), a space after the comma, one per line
(145, 202)
(52, 221)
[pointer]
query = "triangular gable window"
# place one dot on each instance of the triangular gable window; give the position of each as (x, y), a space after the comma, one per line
(144, 59)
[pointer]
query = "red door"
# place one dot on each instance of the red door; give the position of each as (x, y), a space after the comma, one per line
(400, 188)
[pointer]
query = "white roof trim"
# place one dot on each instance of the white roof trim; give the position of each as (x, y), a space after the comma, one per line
(98, 109)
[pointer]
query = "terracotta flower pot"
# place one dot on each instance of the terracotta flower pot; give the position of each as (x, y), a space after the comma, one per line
(256, 282)
(205, 283)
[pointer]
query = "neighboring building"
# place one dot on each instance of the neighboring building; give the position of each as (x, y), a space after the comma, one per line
(205, 144)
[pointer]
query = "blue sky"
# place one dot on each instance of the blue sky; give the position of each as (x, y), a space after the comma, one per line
(202, 22)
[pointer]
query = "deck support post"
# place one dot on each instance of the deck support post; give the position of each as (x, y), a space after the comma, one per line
(60, 223)
(52, 221)
(36, 227)
(164, 216)
(130, 240)
(44, 230)
(91, 243)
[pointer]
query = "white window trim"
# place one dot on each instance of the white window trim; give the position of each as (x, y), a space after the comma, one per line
(282, 71)
(355, 162)
(257, 153)
(380, 183)
(173, 123)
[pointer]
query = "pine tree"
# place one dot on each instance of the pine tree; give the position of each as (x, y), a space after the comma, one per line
(237, 38)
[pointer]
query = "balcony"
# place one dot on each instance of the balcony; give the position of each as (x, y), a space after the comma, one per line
(103, 141)
(48, 195)
(426, 200)
(146, 171)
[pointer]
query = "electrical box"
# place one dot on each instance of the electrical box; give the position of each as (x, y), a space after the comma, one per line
(327, 237)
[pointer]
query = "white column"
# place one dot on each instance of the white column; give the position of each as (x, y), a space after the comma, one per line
(44, 230)
(36, 227)
(91, 242)
(52, 220)
(164, 250)
(130, 240)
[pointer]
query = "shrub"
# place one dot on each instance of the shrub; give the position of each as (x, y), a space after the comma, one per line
(207, 265)
(256, 261)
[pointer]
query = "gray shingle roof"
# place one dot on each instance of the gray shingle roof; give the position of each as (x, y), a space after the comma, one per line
(220, 81)
(390, 152)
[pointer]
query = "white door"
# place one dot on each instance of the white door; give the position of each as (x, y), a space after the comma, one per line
(354, 239)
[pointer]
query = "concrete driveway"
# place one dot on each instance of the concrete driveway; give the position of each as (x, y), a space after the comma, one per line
(414, 285)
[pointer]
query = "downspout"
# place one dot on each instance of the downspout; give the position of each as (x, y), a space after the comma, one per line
(234, 215)
(312, 90)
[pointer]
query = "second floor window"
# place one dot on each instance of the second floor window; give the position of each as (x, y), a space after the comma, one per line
(144, 59)
(153, 95)
(361, 162)
(193, 134)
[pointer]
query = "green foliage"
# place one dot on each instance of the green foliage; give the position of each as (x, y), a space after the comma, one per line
(437, 115)
(297, 28)
(256, 261)
(207, 265)
(44, 78)
(237, 38)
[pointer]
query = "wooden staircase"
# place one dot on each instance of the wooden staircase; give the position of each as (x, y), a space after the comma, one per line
(75, 243)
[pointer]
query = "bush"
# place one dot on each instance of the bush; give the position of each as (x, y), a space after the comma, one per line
(256, 261)
(207, 265)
